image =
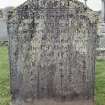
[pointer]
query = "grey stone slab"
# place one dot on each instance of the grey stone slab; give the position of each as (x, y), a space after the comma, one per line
(52, 52)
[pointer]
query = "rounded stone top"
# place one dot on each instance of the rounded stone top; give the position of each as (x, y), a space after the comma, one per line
(74, 5)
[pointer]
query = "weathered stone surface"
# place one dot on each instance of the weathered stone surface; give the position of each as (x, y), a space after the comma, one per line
(52, 52)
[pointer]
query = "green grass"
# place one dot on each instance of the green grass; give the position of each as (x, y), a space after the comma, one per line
(100, 82)
(4, 79)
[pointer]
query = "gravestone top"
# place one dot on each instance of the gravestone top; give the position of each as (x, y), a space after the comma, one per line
(72, 4)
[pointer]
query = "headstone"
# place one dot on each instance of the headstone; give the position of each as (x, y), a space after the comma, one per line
(101, 33)
(52, 53)
(3, 23)
(103, 10)
(3, 30)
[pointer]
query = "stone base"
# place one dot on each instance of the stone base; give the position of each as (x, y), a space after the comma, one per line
(51, 102)
(100, 57)
(100, 54)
